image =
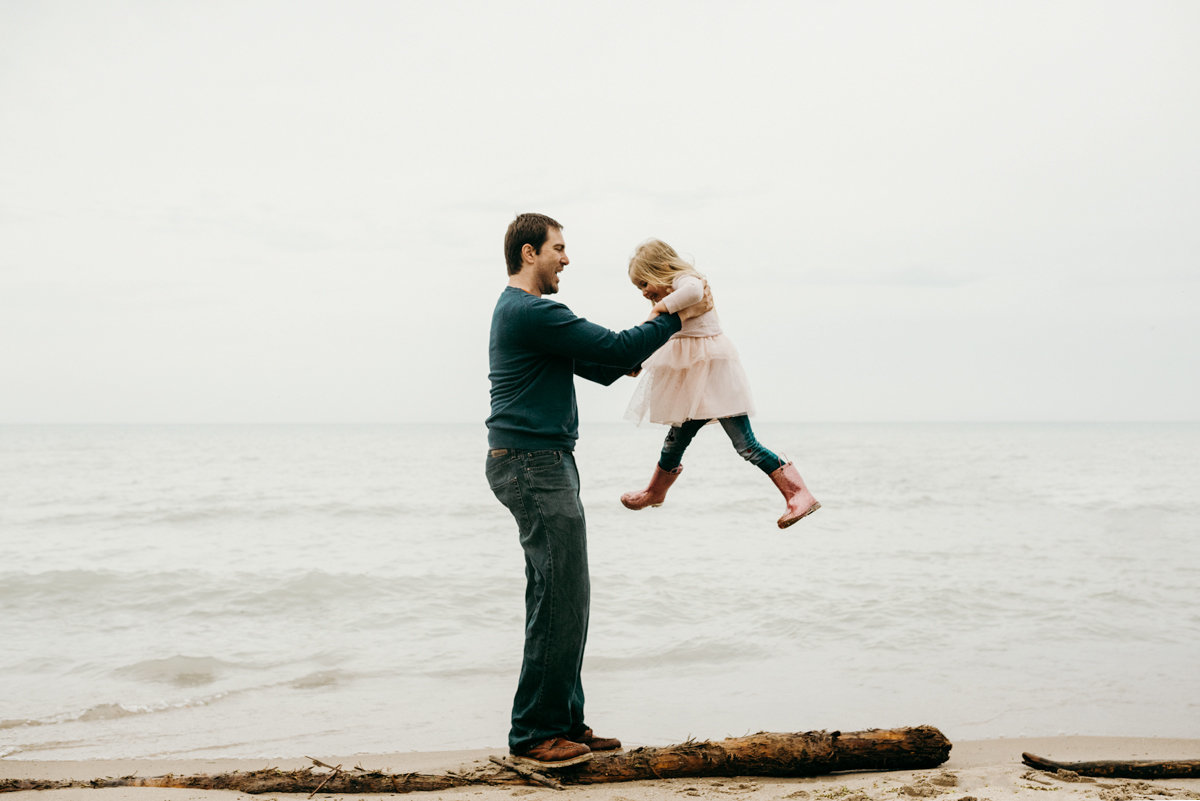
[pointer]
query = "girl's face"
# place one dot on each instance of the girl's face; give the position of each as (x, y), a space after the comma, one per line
(652, 292)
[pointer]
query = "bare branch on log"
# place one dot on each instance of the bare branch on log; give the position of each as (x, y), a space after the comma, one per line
(333, 775)
(1121, 769)
(765, 754)
(526, 772)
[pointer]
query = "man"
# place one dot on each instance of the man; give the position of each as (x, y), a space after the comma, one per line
(537, 347)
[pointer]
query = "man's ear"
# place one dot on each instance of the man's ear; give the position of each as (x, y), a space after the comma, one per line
(527, 253)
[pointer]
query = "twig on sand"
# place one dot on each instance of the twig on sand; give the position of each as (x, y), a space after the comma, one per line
(336, 771)
(526, 772)
(1120, 769)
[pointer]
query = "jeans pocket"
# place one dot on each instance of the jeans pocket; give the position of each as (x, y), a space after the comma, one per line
(551, 472)
(501, 471)
(536, 461)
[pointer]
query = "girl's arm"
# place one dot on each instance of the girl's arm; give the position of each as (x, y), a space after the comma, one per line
(689, 290)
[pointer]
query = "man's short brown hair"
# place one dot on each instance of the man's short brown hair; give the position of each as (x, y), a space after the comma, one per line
(526, 229)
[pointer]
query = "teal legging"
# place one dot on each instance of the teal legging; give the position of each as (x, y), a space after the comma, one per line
(740, 434)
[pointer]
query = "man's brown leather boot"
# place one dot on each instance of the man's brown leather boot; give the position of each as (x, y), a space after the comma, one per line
(555, 753)
(595, 743)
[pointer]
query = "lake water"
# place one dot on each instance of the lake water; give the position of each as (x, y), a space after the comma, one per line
(251, 591)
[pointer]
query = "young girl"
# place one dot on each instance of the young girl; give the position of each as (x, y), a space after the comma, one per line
(694, 379)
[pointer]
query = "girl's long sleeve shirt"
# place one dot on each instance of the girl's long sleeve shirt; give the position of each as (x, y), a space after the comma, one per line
(688, 289)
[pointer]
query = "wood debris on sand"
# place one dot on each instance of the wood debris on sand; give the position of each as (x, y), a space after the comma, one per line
(1120, 769)
(799, 754)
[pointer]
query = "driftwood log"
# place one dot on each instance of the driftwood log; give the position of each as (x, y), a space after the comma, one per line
(796, 755)
(1120, 769)
(807, 754)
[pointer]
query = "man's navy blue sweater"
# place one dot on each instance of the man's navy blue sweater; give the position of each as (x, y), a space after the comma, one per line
(537, 347)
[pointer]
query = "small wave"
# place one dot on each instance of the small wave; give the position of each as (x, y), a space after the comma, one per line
(314, 681)
(219, 595)
(101, 712)
(179, 671)
(497, 669)
(16, 723)
(292, 508)
(110, 712)
(52, 588)
(166, 669)
(207, 511)
(689, 653)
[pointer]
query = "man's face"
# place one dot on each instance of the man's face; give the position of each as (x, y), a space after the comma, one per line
(549, 262)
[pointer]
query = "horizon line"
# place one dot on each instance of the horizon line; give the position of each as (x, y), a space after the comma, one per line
(1044, 421)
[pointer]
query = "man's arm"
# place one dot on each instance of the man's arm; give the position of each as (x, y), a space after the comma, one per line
(554, 328)
(600, 373)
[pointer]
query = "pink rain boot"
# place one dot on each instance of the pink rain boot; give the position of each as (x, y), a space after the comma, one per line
(656, 493)
(800, 502)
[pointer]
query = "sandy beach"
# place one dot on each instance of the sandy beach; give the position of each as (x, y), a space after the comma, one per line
(985, 770)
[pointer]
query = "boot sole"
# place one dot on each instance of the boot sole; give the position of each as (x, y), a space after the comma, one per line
(795, 520)
(561, 763)
(640, 508)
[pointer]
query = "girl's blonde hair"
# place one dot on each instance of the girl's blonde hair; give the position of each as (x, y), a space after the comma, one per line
(657, 264)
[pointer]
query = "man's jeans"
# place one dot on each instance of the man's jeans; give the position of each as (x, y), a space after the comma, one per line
(541, 489)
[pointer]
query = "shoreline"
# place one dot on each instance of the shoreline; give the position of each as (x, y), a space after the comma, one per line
(981, 770)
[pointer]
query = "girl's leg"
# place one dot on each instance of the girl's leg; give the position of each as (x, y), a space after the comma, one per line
(800, 502)
(748, 446)
(667, 469)
(678, 438)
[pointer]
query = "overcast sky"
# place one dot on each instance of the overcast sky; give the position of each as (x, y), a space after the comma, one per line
(293, 211)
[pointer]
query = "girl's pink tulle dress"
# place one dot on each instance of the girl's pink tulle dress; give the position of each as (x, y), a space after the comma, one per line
(697, 374)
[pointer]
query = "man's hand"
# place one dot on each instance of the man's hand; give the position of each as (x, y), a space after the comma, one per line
(704, 305)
